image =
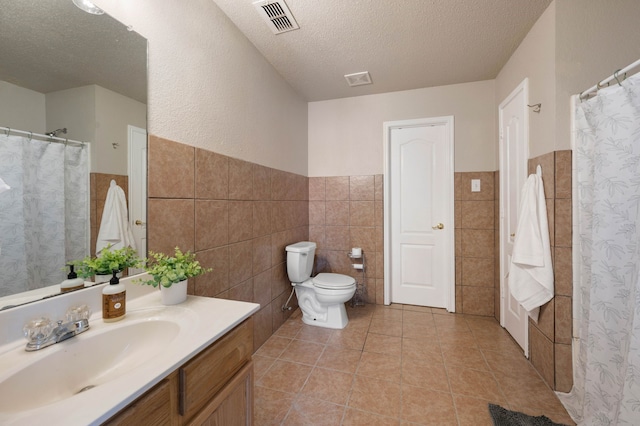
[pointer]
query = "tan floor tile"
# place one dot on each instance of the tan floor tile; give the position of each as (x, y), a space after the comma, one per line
(423, 352)
(386, 326)
(353, 417)
(289, 329)
(467, 358)
(348, 339)
(273, 347)
(417, 308)
(285, 376)
(314, 334)
(376, 396)
(380, 366)
(380, 343)
(448, 322)
(328, 385)
(303, 352)
(430, 376)
(472, 411)
(475, 383)
(270, 406)
(359, 323)
(261, 365)
(419, 331)
(529, 394)
(341, 359)
(427, 407)
(306, 411)
(458, 340)
(417, 317)
(513, 365)
(388, 313)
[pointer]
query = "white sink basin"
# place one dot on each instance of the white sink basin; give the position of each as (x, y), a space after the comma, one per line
(86, 361)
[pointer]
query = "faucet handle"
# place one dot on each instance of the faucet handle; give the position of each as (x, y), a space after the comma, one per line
(38, 330)
(77, 313)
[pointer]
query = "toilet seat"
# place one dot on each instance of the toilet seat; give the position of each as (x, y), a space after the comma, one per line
(331, 281)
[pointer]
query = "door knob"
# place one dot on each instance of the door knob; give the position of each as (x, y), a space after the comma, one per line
(139, 222)
(438, 226)
(513, 235)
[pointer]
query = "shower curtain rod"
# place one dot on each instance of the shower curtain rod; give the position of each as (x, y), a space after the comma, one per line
(615, 76)
(45, 138)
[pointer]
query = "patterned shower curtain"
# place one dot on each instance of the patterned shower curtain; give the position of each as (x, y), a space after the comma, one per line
(44, 216)
(606, 388)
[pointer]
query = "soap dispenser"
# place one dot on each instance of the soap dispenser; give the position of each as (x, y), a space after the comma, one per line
(72, 282)
(114, 300)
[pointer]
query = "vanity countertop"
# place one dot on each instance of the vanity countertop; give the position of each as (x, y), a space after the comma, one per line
(201, 321)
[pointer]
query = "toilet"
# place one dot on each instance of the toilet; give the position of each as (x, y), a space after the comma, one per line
(321, 298)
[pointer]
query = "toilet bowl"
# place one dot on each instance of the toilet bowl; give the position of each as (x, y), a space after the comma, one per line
(321, 298)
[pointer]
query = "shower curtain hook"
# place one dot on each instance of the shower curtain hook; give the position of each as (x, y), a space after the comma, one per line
(30, 136)
(615, 75)
(7, 130)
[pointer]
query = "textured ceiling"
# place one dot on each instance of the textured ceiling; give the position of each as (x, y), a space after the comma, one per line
(404, 44)
(52, 45)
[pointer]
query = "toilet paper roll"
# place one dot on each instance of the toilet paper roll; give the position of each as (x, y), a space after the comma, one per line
(356, 252)
(358, 265)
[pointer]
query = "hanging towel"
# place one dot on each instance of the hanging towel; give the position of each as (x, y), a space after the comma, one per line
(531, 271)
(114, 228)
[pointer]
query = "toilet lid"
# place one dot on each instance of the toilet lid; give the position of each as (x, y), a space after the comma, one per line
(333, 281)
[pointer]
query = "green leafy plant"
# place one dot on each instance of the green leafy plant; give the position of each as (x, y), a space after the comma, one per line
(108, 261)
(169, 270)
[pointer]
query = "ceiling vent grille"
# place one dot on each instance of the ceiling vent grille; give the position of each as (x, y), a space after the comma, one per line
(358, 78)
(277, 15)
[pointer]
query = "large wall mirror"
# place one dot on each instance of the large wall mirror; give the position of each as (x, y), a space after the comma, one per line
(78, 77)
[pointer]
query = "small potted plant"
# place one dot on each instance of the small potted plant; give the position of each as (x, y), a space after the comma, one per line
(171, 273)
(108, 261)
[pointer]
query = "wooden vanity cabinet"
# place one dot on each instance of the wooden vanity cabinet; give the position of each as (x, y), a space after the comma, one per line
(213, 388)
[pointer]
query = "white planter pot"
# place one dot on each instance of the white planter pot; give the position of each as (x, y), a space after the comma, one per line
(175, 294)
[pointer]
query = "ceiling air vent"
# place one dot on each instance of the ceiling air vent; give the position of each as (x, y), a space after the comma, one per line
(277, 15)
(358, 78)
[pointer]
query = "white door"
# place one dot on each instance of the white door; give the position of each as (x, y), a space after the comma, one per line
(514, 152)
(138, 190)
(419, 213)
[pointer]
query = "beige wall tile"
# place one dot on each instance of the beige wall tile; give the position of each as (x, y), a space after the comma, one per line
(337, 188)
(477, 243)
(563, 223)
(463, 189)
(212, 175)
(564, 368)
(546, 320)
(547, 163)
(477, 214)
(542, 355)
(337, 213)
(240, 262)
(563, 314)
(240, 179)
(317, 188)
(379, 213)
(477, 300)
(379, 187)
(551, 220)
(317, 212)
(211, 224)
(216, 281)
(362, 188)
(563, 174)
(170, 224)
(477, 271)
(240, 221)
(171, 169)
(364, 237)
(262, 288)
(261, 182)
(337, 238)
(563, 272)
(242, 291)
(317, 235)
(362, 213)
(261, 254)
(261, 218)
(262, 329)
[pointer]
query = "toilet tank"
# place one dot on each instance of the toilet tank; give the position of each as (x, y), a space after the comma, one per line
(300, 260)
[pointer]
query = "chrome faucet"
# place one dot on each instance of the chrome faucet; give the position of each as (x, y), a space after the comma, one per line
(41, 332)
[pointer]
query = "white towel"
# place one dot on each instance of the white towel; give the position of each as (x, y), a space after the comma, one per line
(531, 270)
(114, 228)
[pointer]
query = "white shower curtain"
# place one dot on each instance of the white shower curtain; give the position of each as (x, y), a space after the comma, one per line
(606, 388)
(44, 216)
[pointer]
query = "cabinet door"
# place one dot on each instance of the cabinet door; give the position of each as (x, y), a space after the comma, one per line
(156, 407)
(204, 376)
(233, 406)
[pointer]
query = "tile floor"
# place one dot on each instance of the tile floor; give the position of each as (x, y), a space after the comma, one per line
(397, 365)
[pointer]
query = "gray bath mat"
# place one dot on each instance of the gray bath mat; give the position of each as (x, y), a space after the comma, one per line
(503, 417)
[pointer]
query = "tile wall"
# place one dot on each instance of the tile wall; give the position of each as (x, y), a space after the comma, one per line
(550, 338)
(346, 212)
(236, 216)
(475, 243)
(99, 186)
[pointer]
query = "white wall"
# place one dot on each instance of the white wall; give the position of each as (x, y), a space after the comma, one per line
(22, 109)
(74, 109)
(114, 113)
(535, 59)
(209, 86)
(346, 137)
(595, 38)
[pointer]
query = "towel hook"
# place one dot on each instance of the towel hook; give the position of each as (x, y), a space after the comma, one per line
(536, 107)
(539, 170)
(115, 145)
(7, 130)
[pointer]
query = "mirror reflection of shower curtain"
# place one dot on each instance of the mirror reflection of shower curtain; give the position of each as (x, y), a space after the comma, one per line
(606, 371)
(43, 218)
